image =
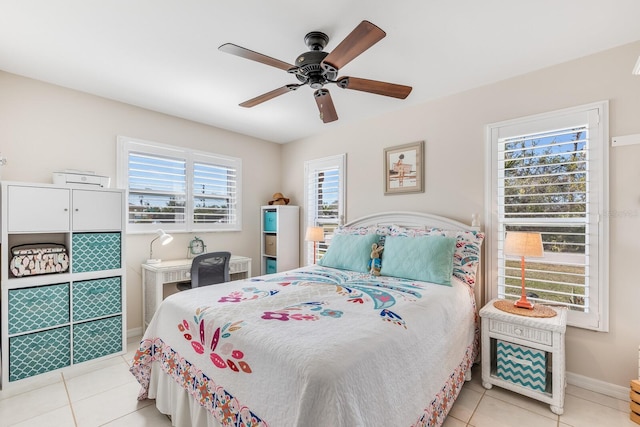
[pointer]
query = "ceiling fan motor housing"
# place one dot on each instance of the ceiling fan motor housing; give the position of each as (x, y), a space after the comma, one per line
(310, 71)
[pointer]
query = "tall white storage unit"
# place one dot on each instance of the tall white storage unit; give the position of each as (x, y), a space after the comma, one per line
(54, 320)
(280, 238)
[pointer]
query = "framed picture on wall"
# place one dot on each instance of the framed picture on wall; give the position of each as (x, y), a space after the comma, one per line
(404, 168)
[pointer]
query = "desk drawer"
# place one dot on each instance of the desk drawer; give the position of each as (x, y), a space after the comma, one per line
(522, 332)
(176, 276)
(239, 267)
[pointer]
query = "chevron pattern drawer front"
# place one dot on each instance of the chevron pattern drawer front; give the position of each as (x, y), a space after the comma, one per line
(95, 252)
(522, 365)
(97, 338)
(96, 298)
(39, 352)
(38, 308)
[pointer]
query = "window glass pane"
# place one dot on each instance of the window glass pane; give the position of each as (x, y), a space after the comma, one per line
(214, 190)
(324, 199)
(156, 189)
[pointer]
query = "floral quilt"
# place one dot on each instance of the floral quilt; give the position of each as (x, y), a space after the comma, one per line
(315, 346)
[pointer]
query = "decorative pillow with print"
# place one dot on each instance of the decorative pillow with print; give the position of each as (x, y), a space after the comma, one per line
(466, 256)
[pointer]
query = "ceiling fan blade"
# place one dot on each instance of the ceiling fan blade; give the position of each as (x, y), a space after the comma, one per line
(254, 56)
(374, 86)
(325, 105)
(269, 95)
(360, 39)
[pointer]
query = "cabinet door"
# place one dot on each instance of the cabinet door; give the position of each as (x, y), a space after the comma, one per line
(34, 209)
(97, 210)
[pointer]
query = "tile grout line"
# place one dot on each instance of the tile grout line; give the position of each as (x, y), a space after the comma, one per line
(66, 389)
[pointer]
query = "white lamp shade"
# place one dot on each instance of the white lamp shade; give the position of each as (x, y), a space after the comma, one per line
(523, 244)
(164, 238)
(314, 234)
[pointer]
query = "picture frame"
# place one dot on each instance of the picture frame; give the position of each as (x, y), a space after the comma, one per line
(404, 168)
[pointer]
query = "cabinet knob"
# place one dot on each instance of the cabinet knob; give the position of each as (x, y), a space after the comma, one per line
(66, 210)
(518, 331)
(77, 209)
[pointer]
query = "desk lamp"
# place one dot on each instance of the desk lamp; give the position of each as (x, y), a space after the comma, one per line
(165, 239)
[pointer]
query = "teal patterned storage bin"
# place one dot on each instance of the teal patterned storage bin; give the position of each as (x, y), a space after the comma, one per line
(270, 221)
(272, 266)
(95, 252)
(40, 352)
(97, 338)
(522, 365)
(96, 298)
(38, 308)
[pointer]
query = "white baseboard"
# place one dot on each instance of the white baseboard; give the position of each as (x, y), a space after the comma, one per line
(133, 333)
(598, 386)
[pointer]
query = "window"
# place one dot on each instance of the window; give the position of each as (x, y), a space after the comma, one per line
(178, 189)
(549, 174)
(324, 198)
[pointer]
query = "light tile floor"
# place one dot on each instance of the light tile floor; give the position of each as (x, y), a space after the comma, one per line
(104, 394)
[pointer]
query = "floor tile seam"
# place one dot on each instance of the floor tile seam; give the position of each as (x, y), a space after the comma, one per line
(30, 390)
(73, 412)
(551, 415)
(483, 394)
(600, 404)
(38, 415)
(89, 396)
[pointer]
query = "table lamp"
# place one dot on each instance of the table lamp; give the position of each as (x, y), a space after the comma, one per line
(165, 239)
(315, 235)
(523, 244)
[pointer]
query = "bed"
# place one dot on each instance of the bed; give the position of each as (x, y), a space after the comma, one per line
(328, 344)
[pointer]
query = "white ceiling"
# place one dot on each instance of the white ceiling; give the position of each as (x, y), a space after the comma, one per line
(163, 54)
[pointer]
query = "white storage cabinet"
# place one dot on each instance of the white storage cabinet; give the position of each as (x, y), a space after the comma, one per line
(56, 320)
(280, 238)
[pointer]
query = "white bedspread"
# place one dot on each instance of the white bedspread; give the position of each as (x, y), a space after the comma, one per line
(315, 347)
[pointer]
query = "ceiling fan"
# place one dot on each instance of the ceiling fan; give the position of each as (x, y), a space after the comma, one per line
(316, 68)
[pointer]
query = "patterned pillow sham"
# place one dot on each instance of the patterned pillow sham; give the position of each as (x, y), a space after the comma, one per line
(466, 256)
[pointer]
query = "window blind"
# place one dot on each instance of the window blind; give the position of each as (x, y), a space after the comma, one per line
(157, 189)
(177, 188)
(542, 187)
(324, 199)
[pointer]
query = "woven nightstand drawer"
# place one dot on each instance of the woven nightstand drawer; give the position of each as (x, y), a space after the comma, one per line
(521, 365)
(37, 308)
(38, 353)
(97, 338)
(96, 298)
(95, 252)
(521, 331)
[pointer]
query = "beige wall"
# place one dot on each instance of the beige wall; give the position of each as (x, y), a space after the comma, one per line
(46, 128)
(453, 129)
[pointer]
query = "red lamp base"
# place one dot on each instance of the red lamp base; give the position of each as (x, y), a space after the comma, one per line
(523, 303)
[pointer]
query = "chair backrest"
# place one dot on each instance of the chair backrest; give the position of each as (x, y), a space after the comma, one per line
(210, 268)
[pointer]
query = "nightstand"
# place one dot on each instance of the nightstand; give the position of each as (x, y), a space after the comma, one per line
(525, 354)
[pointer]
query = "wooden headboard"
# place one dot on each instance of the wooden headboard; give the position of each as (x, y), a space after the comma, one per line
(419, 220)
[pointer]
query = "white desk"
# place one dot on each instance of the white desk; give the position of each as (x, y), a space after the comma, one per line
(156, 276)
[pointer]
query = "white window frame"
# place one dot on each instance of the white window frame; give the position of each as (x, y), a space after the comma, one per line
(597, 315)
(128, 144)
(312, 217)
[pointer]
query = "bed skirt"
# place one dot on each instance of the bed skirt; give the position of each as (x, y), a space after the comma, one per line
(173, 400)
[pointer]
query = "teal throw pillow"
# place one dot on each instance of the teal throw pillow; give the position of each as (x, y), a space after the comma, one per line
(424, 258)
(349, 252)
